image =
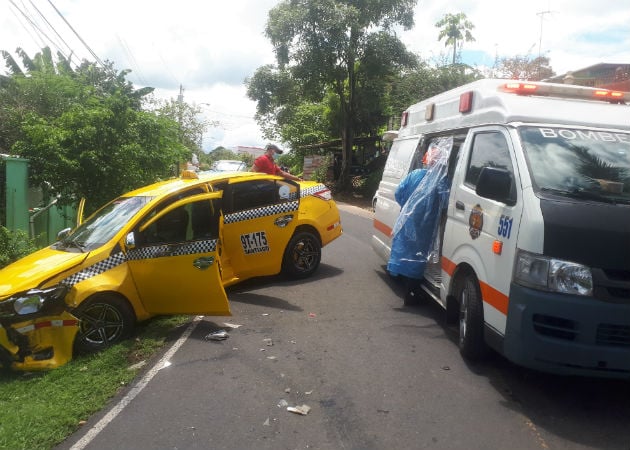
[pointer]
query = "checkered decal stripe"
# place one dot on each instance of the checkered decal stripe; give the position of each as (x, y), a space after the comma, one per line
(187, 248)
(261, 212)
(95, 269)
(312, 190)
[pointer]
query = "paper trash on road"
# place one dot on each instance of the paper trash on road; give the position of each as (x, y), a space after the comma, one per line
(302, 410)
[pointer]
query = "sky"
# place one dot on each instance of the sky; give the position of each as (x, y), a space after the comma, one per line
(208, 48)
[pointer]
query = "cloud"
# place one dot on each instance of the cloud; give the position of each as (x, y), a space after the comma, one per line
(210, 47)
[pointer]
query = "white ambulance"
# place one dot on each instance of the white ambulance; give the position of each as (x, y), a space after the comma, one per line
(533, 245)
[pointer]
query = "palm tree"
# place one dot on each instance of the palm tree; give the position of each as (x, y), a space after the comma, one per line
(456, 29)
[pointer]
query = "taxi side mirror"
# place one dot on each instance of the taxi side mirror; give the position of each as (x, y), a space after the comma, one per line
(63, 233)
(130, 240)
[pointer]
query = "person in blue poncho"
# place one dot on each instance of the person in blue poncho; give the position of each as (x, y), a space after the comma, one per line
(423, 195)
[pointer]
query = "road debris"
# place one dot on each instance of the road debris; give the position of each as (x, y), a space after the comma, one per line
(282, 403)
(266, 422)
(232, 325)
(269, 342)
(302, 410)
(218, 335)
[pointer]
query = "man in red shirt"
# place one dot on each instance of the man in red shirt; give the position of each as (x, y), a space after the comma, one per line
(266, 164)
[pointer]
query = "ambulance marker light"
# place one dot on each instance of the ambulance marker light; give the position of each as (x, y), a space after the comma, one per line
(465, 102)
(403, 119)
(497, 247)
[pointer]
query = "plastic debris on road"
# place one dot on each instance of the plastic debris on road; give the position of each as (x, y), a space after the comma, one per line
(269, 342)
(282, 403)
(232, 325)
(218, 335)
(302, 410)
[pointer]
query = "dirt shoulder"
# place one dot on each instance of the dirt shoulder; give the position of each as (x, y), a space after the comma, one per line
(354, 199)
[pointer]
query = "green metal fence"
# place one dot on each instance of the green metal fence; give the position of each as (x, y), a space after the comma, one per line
(25, 208)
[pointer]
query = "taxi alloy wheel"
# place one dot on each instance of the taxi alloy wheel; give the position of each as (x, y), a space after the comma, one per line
(302, 255)
(104, 320)
(471, 340)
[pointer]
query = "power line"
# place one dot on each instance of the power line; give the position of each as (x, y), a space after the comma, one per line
(131, 58)
(98, 60)
(38, 31)
(68, 57)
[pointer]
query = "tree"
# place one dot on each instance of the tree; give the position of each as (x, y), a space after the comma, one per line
(525, 67)
(320, 47)
(84, 131)
(191, 126)
(426, 81)
(455, 29)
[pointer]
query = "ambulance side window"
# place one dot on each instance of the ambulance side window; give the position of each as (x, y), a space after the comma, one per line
(488, 150)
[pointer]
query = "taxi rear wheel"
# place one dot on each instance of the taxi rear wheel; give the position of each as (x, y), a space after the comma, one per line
(104, 320)
(302, 255)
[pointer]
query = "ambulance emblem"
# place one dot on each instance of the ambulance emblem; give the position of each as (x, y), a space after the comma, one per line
(475, 221)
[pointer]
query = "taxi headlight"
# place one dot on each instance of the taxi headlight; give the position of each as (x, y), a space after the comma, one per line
(48, 301)
(554, 275)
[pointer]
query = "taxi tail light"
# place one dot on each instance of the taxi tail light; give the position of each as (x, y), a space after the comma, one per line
(324, 194)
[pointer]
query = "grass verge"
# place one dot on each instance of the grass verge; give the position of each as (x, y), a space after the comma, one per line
(40, 409)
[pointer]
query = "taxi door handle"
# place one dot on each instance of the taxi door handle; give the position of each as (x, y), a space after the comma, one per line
(283, 221)
(459, 205)
(203, 262)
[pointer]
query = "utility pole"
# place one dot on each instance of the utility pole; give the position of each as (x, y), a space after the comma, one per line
(542, 18)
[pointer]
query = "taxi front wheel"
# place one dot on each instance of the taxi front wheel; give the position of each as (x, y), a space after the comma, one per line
(302, 255)
(104, 320)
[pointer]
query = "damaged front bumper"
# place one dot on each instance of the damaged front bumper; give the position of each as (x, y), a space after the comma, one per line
(36, 330)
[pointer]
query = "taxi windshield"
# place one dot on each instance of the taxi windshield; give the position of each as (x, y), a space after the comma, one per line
(578, 163)
(103, 224)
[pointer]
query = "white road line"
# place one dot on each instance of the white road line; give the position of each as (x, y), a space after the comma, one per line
(134, 391)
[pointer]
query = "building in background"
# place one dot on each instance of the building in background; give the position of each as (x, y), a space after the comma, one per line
(604, 75)
(255, 152)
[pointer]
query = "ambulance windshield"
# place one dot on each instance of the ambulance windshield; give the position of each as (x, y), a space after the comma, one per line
(579, 163)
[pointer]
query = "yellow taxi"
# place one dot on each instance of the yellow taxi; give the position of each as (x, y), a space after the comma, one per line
(167, 248)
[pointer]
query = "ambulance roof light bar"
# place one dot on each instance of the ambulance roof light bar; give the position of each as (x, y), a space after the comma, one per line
(565, 91)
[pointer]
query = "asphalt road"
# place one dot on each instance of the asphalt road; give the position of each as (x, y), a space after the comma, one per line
(375, 374)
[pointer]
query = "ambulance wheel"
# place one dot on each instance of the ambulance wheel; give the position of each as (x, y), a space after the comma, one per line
(104, 320)
(472, 345)
(302, 255)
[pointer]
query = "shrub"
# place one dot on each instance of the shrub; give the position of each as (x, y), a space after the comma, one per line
(14, 245)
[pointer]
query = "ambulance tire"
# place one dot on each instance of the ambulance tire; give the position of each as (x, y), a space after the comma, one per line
(302, 255)
(472, 345)
(104, 320)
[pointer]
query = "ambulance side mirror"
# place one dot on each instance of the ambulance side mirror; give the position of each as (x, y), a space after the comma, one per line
(495, 184)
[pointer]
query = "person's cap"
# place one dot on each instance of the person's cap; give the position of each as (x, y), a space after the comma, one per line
(273, 147)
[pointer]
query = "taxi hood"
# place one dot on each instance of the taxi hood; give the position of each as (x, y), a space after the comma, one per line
(34, 269)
